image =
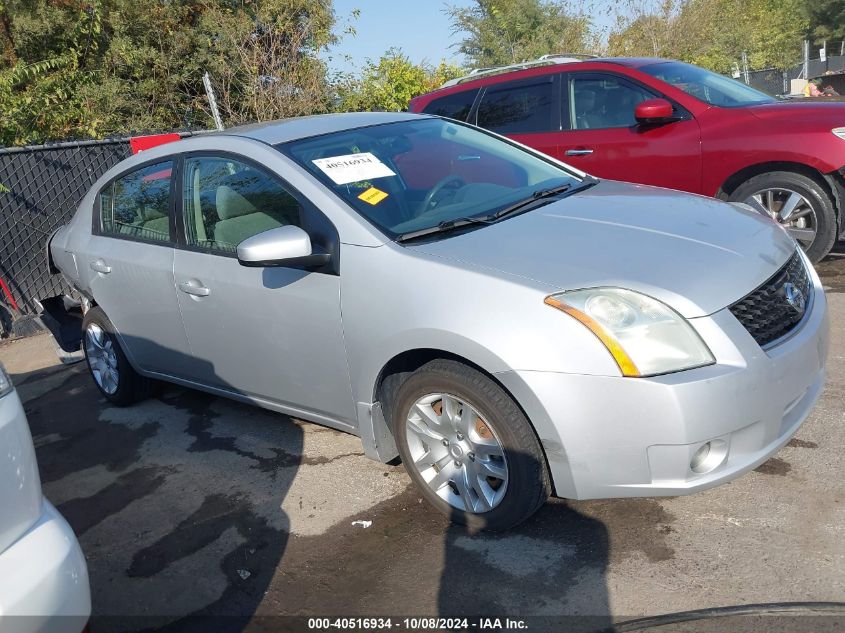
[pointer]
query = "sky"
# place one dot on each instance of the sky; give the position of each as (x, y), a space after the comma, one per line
(418, 27)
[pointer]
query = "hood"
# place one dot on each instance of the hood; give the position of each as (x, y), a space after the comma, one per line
(696, 254)
(809, 110)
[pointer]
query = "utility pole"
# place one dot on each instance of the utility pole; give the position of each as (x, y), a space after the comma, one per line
(212, 101)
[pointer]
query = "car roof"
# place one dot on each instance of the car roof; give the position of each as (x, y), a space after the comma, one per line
(490, 76)
(293, 129)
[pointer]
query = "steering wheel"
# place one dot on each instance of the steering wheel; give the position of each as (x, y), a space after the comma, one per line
(441, 184)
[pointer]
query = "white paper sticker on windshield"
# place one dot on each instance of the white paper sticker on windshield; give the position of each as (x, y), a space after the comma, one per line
(353, 168)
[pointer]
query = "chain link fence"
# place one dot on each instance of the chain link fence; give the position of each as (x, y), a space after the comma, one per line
(40, 189)
(779, 82)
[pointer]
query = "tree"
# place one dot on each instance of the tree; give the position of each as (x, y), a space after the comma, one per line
(266, 65)
(826, 20)
(42, 69)
(500, 32)
(391, 83)
(711, 33)
(96, 67)
(643, 28)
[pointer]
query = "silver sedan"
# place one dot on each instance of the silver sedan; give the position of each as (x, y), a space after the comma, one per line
(508, 325)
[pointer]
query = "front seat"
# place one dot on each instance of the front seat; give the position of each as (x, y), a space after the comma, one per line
(585, 105)
(240, 219)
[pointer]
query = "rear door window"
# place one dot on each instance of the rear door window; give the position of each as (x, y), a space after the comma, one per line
(518, 108)
(138, 204)
(453, 106)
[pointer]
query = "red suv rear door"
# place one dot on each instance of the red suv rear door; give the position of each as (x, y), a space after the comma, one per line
(525, 110)
(601, 136)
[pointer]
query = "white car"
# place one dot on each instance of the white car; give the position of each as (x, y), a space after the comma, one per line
(43, 576)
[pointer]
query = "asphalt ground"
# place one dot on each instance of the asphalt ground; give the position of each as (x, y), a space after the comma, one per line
(189, 505)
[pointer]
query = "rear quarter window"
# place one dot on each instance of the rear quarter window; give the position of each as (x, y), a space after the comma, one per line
(453, 106)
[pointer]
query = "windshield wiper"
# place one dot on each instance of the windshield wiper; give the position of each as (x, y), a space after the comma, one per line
(522, 205)
(446, 225)
(544, 194)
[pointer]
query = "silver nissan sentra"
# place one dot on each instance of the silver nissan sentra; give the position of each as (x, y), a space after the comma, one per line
(508, 325)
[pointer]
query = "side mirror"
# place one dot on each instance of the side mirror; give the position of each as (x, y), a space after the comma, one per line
(655, 111)
(283, 246)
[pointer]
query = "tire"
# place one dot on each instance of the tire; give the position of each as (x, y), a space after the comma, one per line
(494, 419)
(6, 322)
(816, 196)
(104, 355)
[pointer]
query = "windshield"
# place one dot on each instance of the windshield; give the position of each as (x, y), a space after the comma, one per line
(414, 175)
(709, 87)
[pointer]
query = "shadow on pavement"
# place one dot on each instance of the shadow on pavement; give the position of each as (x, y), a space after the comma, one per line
(203, 479)
(549, 570)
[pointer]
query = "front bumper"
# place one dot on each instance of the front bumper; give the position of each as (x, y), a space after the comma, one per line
(626, 437)
(44, 580)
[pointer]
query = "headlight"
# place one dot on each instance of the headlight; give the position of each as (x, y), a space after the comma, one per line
(644, 336)
(840, 132)
(5, 381)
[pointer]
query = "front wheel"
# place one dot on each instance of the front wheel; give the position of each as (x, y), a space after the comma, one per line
(468, 446)
(799, 203)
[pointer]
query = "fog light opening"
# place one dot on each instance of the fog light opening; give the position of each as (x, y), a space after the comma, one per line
(708, 456)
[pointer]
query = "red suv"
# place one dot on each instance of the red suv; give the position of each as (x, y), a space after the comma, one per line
(669, 124)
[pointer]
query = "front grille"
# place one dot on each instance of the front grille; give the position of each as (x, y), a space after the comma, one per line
(777, 306)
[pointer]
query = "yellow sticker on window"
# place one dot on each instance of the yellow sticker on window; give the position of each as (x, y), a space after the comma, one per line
(373, 196)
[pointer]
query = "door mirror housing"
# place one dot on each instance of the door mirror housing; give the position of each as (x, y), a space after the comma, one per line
(283, 246)
(655, 111)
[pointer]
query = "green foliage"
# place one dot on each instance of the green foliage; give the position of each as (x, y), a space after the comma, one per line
(96, 67)
(503, 32)
(826, 20)
(712, 33)
(39, 93)
(89, 68)
(391, 83)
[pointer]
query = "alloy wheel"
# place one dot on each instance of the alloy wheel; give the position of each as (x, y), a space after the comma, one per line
(457, 452)
(790, 209)
(102, 358)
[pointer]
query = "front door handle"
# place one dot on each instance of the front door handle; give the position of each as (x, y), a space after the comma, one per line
(195, 288)
(579, 152)
(100, 266)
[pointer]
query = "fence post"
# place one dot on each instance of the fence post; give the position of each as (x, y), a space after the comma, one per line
(805, 72)
(212, 101)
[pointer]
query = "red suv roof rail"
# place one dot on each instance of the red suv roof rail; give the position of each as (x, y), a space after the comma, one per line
(545, 60)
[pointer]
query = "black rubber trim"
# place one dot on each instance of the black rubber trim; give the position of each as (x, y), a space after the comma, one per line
(314, 260)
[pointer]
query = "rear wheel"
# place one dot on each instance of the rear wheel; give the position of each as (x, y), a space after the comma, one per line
(114, 376)
(800, 204)
(468, 446)
(5, 322)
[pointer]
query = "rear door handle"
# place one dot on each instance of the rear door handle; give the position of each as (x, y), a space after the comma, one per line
(100, 266)
(195, 288)
(579, 152)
